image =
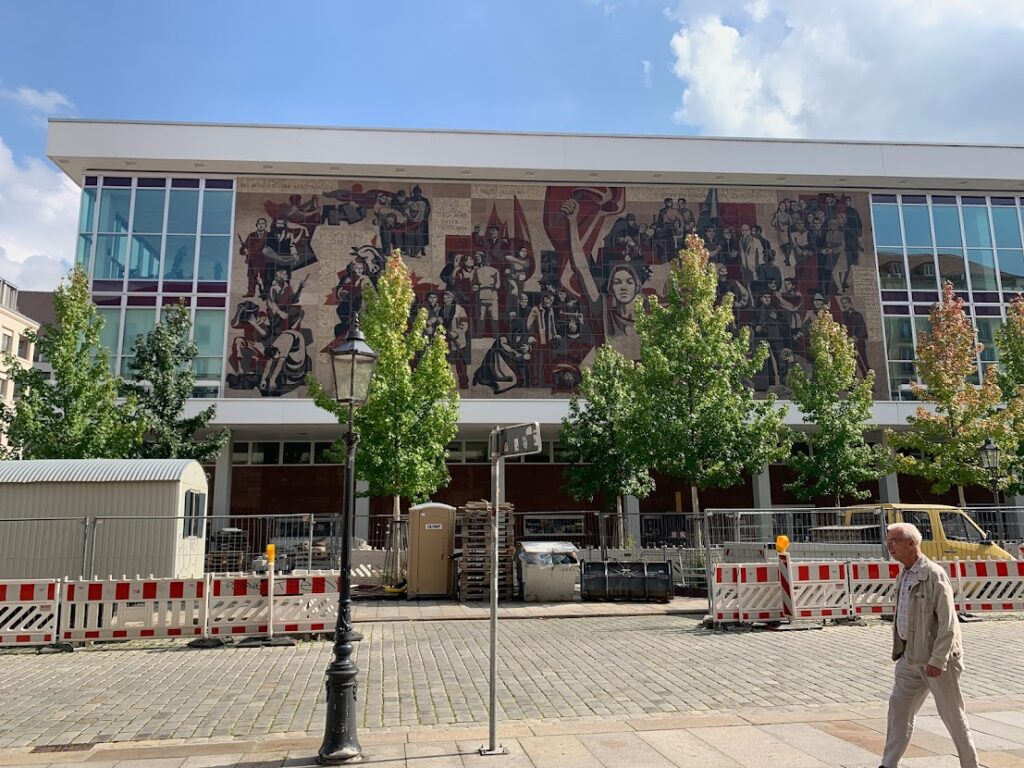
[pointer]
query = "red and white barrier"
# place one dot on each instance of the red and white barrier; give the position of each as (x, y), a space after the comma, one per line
(305, 603)
(725, 593)
(873, 587)
(238, 606)
(133, 609)
(28, 612)
(988, 586)
(760, 598)
(813, 589)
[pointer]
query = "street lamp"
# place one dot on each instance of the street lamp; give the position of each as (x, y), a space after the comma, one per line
(352, 363)
(989, 455)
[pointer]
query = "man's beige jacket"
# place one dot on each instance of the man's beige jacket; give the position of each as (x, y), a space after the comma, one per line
(933, 632)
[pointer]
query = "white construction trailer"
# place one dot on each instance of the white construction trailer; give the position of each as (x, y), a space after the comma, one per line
(86, 518)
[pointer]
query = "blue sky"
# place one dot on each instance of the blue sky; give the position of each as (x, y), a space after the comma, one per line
(875, 69)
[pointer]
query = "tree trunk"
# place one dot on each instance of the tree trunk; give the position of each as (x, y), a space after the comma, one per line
(698, 524)
(620, 522)
(960, 493)
(396, 535)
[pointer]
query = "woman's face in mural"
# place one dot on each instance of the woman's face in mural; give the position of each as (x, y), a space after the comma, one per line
(624, 286)
(358, 268)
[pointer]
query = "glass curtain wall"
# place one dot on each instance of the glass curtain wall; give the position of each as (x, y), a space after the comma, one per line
(923, 241)
(148, 243)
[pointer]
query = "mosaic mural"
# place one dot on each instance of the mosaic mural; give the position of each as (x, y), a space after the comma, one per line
(527, 280)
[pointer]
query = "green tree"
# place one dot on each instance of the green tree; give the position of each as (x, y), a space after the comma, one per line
(595, 435)
(1010, 344)
(840, 407)
(76, 414)
(701, 422)
(413, 409)
(942, 444)
(162, 380)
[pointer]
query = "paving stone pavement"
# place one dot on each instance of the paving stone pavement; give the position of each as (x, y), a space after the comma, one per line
(423, 675)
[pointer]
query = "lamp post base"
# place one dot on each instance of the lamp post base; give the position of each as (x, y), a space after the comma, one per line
(341, 744)
(498, 750)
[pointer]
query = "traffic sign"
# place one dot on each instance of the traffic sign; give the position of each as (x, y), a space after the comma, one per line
(516, 440)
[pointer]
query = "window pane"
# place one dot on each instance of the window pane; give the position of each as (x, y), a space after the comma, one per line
(899, 339)
(145, 263)
(976, 226)
(111, 328)
(239, 453)
(900, 377)
(887, 225)
(265, 453)
(916, 225)
(320, 453)
(947, 225)
(183, 211)
(180, 257)
(213, 257)
(952, 268)
(922, 269)
(983, 269)
(891, 271)
(136, 323)
(111, 251)
(114, 207)
(217, 213)
(83, 252)
(149, 211)
(987, 326)
(475, 451)
(206, 367)
(208, 333)
(1011, 270)
(1007, 227)
(297, 453)
(87, 213)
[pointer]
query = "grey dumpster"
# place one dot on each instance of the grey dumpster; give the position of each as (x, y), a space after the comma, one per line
(548, 570)
(602, 580)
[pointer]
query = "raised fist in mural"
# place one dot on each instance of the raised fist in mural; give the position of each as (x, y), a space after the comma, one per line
(570, 207)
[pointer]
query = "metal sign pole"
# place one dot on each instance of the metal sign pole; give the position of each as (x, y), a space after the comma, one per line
(497, 466)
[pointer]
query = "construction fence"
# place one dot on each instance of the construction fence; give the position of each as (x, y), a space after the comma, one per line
(789, 590)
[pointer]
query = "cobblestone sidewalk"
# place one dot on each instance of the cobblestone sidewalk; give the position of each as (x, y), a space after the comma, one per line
(434, 674)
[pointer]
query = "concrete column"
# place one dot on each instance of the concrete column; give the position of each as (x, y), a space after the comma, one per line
(362, 511)
(222, 488)
(763, 489)
(762, 528)
(631, 511)
(889, 489)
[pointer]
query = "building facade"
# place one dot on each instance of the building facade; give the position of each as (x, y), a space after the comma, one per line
(528, 251)
(13, 327)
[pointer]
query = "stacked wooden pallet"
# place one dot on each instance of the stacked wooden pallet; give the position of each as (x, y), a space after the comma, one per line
(477, 538)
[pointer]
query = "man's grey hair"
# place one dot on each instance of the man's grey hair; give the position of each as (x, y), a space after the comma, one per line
(906, 531)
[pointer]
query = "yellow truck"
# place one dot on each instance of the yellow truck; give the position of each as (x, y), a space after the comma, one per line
(948, 533)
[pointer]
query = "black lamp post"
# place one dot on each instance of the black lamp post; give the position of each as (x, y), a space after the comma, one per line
(989, 455)
(353, 363)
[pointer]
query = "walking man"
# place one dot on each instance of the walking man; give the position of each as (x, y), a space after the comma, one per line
(927, 649)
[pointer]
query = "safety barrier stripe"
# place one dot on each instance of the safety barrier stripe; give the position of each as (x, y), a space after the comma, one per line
(28, 612)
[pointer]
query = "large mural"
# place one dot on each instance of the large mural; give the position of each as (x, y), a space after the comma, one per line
(527, 280)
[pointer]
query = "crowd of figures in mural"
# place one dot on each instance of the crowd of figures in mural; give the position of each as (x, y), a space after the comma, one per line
(526, 289)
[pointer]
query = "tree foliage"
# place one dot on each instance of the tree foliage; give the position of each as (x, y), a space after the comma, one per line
(162, 380)
(840, 408)
(701, 422)
(942, 444)
(413, 408)
(1010, 344)
(595, 434)
(76, 414)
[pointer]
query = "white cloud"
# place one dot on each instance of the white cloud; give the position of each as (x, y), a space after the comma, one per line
(38, 218)
(48, 102)
(647, 73)
(880, 69)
